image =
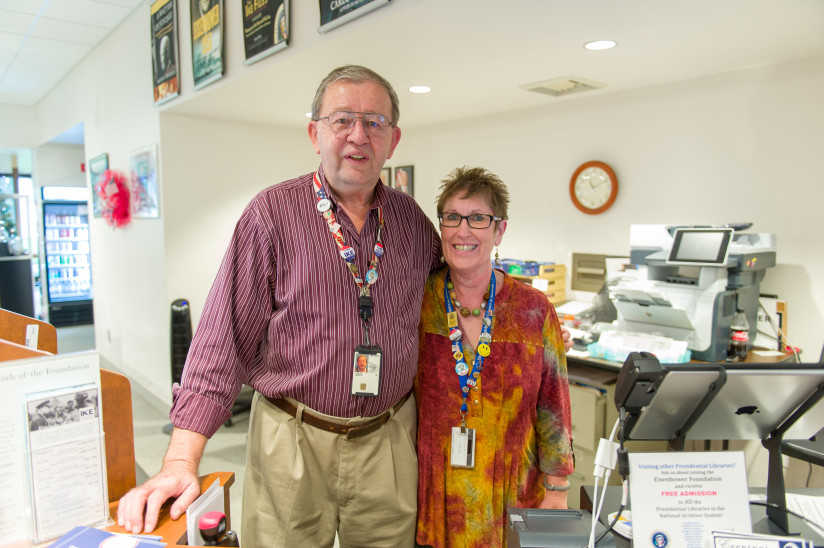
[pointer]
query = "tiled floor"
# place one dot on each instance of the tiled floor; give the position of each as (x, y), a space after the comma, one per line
(225, 451)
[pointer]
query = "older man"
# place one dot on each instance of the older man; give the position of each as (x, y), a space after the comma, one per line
(321, 269)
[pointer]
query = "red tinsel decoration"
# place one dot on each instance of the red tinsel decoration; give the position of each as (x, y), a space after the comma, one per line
(114, 195)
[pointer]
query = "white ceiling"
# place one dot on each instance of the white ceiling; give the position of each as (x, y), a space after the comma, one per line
(41, 40)
(475, 54)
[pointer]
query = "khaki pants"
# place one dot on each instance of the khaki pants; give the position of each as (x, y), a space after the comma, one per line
(303, 484)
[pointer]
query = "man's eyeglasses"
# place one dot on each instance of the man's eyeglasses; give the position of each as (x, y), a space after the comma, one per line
(476, 220)
(343, 121)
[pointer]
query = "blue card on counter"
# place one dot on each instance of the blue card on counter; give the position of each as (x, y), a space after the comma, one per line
(89, 537)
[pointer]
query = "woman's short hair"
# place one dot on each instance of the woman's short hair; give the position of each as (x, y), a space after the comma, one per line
(357, 74)
(468, 182)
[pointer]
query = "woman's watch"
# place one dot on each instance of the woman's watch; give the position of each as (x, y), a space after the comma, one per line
(550, 487)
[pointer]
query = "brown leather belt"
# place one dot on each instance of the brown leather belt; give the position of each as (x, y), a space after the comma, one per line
(351, 431)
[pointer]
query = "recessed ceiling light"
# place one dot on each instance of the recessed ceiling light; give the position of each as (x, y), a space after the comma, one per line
(308, 114)
(420, 89)
(598, 45)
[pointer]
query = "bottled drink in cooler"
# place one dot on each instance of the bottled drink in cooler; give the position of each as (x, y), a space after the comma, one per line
(739, 338)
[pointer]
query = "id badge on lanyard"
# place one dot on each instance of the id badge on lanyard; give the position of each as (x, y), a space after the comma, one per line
(462, 448)
(366, 375)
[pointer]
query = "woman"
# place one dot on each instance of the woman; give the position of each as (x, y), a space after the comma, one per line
(491, 384)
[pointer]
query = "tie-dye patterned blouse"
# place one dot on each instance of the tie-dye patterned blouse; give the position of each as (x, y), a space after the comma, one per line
(520, 412)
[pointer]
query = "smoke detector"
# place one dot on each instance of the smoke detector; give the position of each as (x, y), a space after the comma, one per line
(563, 86)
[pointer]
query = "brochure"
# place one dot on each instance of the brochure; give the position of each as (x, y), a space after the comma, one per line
(52, 463)
(678, 499)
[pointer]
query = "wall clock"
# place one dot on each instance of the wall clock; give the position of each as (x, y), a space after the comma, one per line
(593, 187)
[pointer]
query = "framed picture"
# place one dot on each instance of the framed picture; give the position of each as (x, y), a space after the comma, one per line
(207, 41)
(165, 59)
(405, 179)
(145, 197)
(265, 28)
(386, 176)
(97, 166)
(335, 14)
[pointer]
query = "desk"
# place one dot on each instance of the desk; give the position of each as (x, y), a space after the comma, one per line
(758, 514)
(607, 365)
(174, 531)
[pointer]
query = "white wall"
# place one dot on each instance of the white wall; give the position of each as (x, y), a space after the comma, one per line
(109, 93)
(736, 147)
(59, 165)
(18, 127)
(213, 169)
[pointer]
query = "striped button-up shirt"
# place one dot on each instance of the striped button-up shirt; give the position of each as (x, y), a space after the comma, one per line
(282, 315)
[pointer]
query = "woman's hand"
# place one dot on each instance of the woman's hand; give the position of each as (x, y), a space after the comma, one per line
(568, 342)
(555, 499)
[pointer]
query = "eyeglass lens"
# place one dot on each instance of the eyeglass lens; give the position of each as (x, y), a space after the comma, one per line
(342, 122)
(476, 220)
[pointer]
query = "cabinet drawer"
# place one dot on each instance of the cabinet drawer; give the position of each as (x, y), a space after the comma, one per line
(588, 416)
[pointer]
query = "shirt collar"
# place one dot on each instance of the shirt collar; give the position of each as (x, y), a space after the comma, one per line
(380, 191)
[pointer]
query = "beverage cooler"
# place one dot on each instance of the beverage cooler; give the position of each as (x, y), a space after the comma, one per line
(68, 263)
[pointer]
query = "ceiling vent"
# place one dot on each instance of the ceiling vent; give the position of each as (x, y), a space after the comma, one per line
(563, 86)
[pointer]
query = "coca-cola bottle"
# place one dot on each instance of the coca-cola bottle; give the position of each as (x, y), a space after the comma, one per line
(739, 337)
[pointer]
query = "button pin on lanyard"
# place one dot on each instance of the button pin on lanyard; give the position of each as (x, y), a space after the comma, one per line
(469, 378)
(347, 252)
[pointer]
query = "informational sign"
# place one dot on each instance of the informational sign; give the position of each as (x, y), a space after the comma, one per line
(265, 28)
(679, 499)
(207, 41)
(165, 60)
(334, 13)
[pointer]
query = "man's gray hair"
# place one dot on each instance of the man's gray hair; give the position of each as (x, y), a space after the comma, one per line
(357, 74)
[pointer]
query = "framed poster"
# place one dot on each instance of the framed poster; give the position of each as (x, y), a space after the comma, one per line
(405, 179)
(145, 198)
(265, 28)
(164, 50)
(97, 166)
(386, 176)
(207, 41)
(334, 13)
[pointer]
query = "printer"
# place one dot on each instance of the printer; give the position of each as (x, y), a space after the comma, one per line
(692, 280)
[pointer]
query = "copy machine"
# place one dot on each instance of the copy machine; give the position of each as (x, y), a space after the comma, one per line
(692, 280)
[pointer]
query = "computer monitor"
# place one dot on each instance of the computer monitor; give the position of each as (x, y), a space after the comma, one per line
(700, 246)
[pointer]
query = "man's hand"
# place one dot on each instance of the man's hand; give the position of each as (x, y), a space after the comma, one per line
(178, 478)
(568, 342)
(174, 480)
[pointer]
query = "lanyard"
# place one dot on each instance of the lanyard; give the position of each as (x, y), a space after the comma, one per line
(324, 206)
(467, 378)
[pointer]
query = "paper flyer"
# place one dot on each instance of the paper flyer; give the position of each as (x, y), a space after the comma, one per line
(679, 499)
